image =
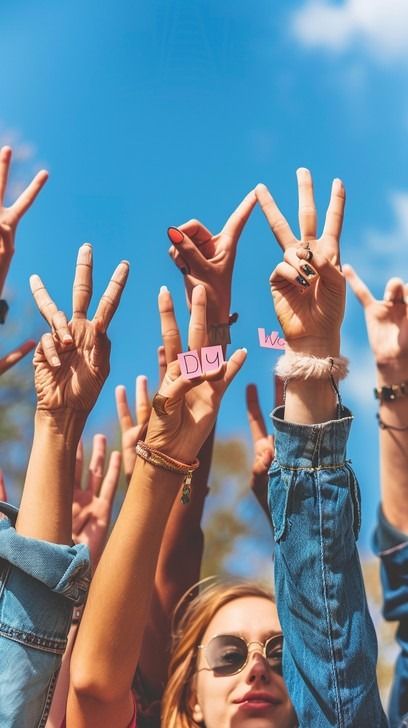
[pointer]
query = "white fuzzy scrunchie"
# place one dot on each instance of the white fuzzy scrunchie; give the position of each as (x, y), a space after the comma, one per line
(303, 366)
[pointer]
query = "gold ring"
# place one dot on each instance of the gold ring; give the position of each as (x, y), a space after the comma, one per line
(159, 405)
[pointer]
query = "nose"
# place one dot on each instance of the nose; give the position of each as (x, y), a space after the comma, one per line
(259, 670)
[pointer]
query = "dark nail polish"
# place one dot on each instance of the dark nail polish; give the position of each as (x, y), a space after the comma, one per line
(302, 281)
(175, 235)
(183, 271)
(308, 270)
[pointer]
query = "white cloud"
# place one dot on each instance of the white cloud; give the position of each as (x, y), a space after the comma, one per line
(380, 25)
(383, 254)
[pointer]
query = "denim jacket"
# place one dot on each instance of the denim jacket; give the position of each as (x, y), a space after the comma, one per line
(330, 647)
(40, 582)
(392, 548)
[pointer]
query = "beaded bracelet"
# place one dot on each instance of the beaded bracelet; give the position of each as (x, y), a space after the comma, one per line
(165, 462)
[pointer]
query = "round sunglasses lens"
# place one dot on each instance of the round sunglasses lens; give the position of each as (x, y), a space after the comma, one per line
(273, 651)
(226, 654)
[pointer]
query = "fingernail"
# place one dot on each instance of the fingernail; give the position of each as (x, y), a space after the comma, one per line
(183, 271)
(175, 235)
(244, 349)
(308, 270)
(67, 338)
(164, 289)
(55, 361)
(301, 281)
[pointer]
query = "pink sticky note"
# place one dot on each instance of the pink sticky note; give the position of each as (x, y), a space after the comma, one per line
(271, 341)
(190, 364)
(211, 358)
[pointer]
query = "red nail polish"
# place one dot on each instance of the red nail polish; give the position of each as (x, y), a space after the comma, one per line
(175, 235)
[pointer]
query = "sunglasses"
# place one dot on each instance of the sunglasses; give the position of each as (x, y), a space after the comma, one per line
(227, 654)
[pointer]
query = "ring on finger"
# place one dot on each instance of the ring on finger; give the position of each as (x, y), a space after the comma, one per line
(159, 405)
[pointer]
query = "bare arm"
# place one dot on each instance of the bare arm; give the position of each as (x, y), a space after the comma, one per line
(111, 633)
(387, 327)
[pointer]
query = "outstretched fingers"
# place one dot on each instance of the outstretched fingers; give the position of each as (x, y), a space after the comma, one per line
(357, 285)
(123, 409)
(255, 416)
(111, 480)
(82, 287)
(278, 223)
(169, 329)
(335, 213)
(5, 159)
(237, 221)
(97, 464)
(394, 291)
(109, 301)
(142, 403)
(26, 199)
(307, 207)
(45, 304)
(197, 330)
(234, 364)
(13, 357)
(48, 309)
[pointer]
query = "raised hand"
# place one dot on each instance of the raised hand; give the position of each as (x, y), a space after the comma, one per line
(93, 500)
(386, 319)
(72, 363)
(189, 407)
(9, 219)
(132, 430)
(209, 259)
(311, 267)
(11, 216)
(263, 447)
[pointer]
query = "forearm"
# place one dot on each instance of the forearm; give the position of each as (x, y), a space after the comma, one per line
(330, 644)
(46, 505)
(313, 400)
(394, 449)
(59, 701)
(113, 623)
(177, 570)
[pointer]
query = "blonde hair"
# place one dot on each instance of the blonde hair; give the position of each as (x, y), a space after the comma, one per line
(177, 710)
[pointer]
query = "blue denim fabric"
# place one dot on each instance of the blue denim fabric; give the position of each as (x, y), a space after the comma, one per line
(330, 648)
(39, 584)
(392, 548)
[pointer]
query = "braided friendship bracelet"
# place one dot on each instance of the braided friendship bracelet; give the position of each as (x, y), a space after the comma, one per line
(165, 462)
(303, 366)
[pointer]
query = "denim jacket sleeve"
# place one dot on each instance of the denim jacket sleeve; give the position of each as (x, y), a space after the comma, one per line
(40, 582)
(392, 548)
(330, 647)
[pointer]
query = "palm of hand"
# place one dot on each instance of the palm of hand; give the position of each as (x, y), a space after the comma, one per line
(387, 325)
(318, 311)
(189, 420)
(77, 382)
(98, 510)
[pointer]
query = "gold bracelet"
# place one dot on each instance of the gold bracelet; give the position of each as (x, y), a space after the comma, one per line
(165, 462)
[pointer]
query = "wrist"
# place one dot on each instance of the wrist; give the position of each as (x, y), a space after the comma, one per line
(391, 372)
(320, 347)
(218, 314)
(64, 426)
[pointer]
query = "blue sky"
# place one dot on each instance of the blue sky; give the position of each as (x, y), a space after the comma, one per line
(150, 113)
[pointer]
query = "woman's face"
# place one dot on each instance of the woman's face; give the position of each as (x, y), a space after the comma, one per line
(255, 697)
